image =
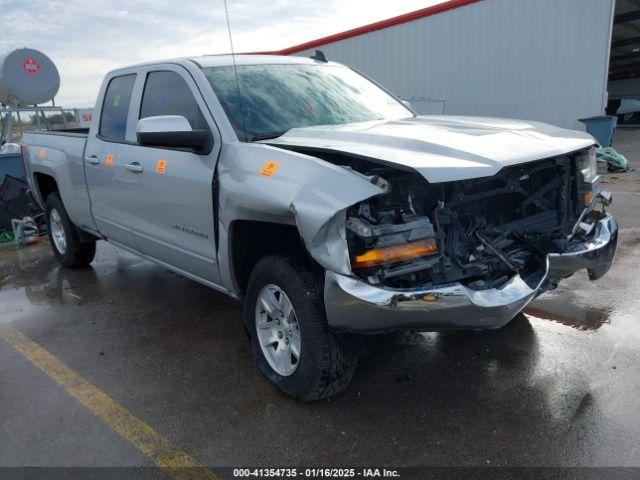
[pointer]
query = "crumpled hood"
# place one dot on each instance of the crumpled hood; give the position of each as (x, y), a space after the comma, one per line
(443, 148)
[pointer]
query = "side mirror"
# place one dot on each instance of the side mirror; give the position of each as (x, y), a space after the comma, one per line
(172, 131)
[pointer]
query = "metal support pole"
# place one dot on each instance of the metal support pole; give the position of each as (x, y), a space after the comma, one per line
(10, 125)
(19, 123)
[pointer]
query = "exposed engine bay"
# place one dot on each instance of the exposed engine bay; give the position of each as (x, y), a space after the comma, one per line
(480, 232)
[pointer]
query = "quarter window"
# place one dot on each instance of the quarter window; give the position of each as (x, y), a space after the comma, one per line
(166, 93)
(115, 109)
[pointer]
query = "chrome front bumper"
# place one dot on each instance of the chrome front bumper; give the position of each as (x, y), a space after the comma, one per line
(356, 306)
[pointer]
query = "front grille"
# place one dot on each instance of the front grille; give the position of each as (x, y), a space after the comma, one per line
(538, 196)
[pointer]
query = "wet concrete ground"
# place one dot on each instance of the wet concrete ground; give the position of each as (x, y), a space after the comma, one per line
(560, 385)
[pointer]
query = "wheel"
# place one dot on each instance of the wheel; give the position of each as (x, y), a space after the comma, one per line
(65, 242)
(291, 342)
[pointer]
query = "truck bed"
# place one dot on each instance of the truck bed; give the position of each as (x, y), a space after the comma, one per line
(60, 155)
(67, 145)
(82, 132)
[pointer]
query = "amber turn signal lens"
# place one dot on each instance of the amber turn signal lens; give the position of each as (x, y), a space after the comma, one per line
(378, 256)
(587, 198)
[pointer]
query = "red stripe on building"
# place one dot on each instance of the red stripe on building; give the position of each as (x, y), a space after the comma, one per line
(407, 17)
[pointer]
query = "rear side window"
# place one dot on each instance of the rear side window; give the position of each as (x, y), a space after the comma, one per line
(113, 120)
(166, 93)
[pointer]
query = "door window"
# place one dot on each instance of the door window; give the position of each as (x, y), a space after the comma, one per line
(115, 109)
(166, 93)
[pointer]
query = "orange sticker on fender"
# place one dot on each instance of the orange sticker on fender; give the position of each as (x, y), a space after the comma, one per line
(109, 160)
(269, 168)
(42, 153)
(161, 166)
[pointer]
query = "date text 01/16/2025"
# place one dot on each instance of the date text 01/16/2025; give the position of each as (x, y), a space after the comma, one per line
(316, 473)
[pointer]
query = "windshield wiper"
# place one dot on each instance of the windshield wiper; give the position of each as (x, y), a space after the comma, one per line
(266, 136)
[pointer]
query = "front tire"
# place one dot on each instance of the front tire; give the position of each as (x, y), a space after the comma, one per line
(65, 242)
(291, 342)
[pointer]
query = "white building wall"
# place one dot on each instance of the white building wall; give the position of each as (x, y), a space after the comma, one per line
(543, 60)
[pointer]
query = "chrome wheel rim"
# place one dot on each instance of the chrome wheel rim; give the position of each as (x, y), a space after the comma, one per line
(278, 331)
(57, 231)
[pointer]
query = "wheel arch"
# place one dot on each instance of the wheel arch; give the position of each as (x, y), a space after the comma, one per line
(44, 185)
(252, 240)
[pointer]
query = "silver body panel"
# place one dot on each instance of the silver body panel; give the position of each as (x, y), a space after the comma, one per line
(170, 216)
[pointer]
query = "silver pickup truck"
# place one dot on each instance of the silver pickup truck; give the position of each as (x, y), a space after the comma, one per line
(323, 202)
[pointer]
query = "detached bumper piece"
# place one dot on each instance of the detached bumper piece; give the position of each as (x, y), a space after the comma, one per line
(356, 306)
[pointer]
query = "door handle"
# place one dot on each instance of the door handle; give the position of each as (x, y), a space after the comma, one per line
(92, 159)
(134, 167)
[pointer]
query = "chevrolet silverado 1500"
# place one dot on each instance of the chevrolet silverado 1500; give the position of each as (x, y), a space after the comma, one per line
(323, 202)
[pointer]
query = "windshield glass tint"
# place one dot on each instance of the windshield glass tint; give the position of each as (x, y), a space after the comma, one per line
(276, 98)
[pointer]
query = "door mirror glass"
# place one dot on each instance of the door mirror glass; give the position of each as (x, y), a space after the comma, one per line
(172, 131)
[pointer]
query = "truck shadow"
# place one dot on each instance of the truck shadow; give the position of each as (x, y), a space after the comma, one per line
(433, 395)
(427, 361)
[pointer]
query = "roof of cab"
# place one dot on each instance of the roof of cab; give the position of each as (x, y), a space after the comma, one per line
(249, 59)
(226, 60)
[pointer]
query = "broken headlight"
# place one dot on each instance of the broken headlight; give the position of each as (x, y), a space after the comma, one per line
(383, 248)
(377, 257)
(587, 165)
(391, 239)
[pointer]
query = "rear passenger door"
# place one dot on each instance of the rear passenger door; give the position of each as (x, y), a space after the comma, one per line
(172, 205)
(104, 160)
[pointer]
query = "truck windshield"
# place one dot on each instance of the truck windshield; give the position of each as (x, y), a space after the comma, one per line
(275, 98)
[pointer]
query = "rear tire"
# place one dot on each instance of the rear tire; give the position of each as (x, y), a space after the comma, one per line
(65, 242)
(323, 367)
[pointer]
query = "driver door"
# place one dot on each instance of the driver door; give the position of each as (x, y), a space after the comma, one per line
(172, 202)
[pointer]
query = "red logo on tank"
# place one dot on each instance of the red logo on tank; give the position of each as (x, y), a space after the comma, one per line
(31, 66)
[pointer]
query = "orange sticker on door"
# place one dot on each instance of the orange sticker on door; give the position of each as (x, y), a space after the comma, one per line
(161, 166)
(109, 160)
(269, 168)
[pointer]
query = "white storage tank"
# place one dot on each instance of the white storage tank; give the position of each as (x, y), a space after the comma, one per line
(27, 77)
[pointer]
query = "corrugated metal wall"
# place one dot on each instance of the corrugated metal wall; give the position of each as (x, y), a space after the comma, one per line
(543, 60)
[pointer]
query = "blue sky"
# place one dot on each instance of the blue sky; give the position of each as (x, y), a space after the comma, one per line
(86, 38)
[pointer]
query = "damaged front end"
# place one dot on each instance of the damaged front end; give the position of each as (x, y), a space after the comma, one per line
(479, 249)
(480, 232)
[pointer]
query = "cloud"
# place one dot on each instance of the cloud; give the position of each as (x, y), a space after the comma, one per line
(87, 38)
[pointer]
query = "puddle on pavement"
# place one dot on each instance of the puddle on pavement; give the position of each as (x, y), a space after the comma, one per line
(31, 279)
(32, 282)
(585, 318)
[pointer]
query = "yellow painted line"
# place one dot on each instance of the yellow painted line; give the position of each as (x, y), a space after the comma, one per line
(178, 464)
